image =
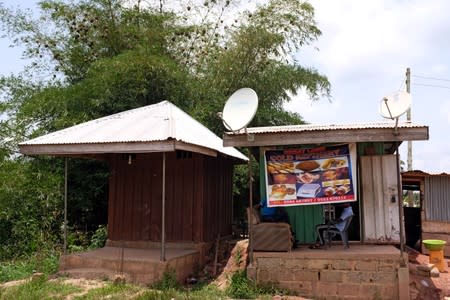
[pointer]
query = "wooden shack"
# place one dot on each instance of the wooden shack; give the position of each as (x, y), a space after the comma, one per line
(372, 268)
(430, 219)
(170, 187)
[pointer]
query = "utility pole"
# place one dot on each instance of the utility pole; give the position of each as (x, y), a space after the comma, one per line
(408, 117)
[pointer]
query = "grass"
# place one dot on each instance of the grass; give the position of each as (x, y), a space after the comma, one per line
(38, 289)
(111, 291)
(56, 289)
(167, 288)
(203, 294)
(26, 266)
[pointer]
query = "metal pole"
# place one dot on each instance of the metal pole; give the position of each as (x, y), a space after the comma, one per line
(250, 193)
(409, 155)
(163, 210)
(408, 117)
(65, 206)
(400, 203)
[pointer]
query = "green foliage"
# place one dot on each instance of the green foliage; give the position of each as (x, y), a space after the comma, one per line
(44, 262)
(240, 287)
(93, 58)
(271, 289)
(38, 289)
(243, 288)
(111, 291)
(208, 291)
(168, 281)
(98, 239)
(161, 295)
(238, 257)
(30, 206)
(87, 201)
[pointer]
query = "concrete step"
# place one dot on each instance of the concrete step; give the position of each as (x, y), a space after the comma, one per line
(106, 274)
(114, 265)
(91, 273)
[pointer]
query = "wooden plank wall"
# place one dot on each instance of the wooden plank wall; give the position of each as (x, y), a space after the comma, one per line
(198, 198)
(379, 187)
(218, 198)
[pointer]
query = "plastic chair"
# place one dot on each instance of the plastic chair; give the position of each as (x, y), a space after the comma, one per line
(332, 231)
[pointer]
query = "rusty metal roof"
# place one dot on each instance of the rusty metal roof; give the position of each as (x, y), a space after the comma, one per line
(161, 122)
(324, 127)
(420, 173)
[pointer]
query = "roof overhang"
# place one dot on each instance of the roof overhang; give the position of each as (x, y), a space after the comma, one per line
(103, 148)
(305, 134)
(160, 127)
(422, 174)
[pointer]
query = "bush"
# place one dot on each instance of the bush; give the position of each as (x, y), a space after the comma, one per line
(168, 282)
(98, 239)
(240, 287)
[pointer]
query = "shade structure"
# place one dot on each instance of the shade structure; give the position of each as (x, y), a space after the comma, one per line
(160, 127)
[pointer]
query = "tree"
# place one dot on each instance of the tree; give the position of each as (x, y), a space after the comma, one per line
(93, 58)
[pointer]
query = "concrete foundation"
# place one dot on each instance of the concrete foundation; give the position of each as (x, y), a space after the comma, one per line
(141, 266)
(361, 272)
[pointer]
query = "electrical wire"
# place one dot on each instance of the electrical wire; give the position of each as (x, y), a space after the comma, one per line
(432, 85)
(401, 85)
(431, 78)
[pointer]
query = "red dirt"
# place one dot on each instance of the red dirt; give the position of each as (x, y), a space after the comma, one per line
(422, 287)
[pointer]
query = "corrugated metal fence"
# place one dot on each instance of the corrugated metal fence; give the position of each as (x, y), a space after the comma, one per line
(437, 198)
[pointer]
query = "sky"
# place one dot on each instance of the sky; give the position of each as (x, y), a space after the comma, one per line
(364, 50)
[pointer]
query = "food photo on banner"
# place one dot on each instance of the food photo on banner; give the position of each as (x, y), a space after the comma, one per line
(305, 176)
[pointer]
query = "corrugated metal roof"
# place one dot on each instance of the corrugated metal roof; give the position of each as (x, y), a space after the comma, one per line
(158, 122)
(315, 127)
(419, 173)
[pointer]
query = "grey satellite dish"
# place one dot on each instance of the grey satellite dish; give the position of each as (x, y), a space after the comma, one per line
(395, 105)
(240, 109)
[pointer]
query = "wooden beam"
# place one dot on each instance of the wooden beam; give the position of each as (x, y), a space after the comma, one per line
(71, 149)
(327, 136)
(195, 148)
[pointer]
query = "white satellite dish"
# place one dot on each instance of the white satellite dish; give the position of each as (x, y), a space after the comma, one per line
(395, 105)
(240, 109)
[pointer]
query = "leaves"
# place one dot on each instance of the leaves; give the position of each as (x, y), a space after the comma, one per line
(93, 58)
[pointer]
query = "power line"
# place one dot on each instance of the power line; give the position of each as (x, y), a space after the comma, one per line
(431, 78)
(401, 85)
(432, 85)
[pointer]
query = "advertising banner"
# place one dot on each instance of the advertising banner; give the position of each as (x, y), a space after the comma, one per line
(310, 176)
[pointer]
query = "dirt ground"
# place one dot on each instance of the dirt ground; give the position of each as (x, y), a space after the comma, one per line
(427, 288)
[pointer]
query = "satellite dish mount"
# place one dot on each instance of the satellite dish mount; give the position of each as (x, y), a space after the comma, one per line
(395, 105)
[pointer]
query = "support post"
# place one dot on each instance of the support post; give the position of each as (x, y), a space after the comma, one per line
(250, 201)
(163, 210)
(409, 154)
(400, 206)
(65, 205)
(408, 117)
